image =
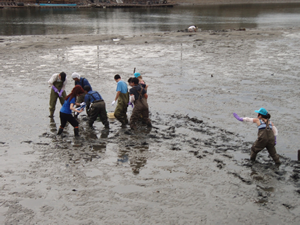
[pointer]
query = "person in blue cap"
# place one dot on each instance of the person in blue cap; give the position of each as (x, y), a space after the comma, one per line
(141, 81)
(267, 133)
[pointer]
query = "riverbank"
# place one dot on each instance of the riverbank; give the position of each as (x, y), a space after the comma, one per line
(192, 167)
(170, 3)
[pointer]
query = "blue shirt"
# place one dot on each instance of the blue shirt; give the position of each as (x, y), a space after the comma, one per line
(92, 96)
(82, 82)
(66, 106)
(122, 87)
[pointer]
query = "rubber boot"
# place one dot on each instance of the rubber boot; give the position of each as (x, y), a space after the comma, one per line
(106, 125)
(60, 131)
(76, 131)
(51, 114)
(253, 156)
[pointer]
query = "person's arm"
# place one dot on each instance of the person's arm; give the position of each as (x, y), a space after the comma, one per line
(74, 109)
(117, 95)
(64, 85)
(246, 119)
(52, 79)
(275, 131)
(87, 101)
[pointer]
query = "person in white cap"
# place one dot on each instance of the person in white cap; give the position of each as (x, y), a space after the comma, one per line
(57, 83)
(82, 82)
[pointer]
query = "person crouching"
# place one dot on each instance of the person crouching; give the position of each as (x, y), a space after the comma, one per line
(138, 96)
(95, 106)
(67, 108)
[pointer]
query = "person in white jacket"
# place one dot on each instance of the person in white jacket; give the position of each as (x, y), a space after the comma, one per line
(57, 83)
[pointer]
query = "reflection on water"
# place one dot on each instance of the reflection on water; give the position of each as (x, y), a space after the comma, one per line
(134, 21)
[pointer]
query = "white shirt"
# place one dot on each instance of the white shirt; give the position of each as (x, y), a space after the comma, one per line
(55, 77)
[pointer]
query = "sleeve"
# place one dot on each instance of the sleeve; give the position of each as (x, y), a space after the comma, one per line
(87, 101)
(64, 85)
(118, 86)
(52, 79)
(86, 82)
(73, 100)
(247, 119)
(275, 131)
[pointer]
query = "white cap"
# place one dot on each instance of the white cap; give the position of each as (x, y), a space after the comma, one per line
(75, 75)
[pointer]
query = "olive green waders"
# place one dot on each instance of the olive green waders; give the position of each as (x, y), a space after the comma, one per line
(121, 109)
(266, 139)
(54, 96)
(98, 108)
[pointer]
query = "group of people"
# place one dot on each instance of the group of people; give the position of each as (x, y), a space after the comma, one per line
(137, 98)
(83, 95)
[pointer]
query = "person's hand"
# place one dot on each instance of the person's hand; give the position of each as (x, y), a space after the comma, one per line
(60, 93)
(237, 117)
(55, 89)
(130, 103)
(113, 102)
(81, 110)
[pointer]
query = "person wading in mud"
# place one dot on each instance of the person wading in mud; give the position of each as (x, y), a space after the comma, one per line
(267, 133)
(57, 83)
(141, 81)
(95, 106)
(67, 108)
(82, 82)
(122, 97)
(138, 96)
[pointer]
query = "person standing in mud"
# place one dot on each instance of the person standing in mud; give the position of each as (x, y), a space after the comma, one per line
(122, 97)
(95, 106)
(57, 83)
(141, 81)
(267, 133)
(67, 108)
(82, 82)
(138, 96)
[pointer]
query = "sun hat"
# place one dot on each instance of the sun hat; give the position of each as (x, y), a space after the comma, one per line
(137, 75)
(75, 75)
(262, 111)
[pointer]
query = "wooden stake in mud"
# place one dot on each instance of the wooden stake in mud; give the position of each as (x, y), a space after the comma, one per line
(298, 155)
(134, 70)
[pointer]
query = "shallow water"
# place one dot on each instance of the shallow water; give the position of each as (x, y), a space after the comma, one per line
(136, 21)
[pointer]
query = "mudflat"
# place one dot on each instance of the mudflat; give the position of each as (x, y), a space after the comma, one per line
(192, 167)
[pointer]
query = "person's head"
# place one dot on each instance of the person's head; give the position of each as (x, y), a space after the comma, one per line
(62, 76)
(263, 113)
(130, 81)
(75, 76)
(138, 75)
(117, 77)
(135, 81)
(77, 90)
(87, 88)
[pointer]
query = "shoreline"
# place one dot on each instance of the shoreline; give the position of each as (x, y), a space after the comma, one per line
(172, 3)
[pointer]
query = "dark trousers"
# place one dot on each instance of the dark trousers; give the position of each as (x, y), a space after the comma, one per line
(64, 118)
(98, 108)
(140, 109)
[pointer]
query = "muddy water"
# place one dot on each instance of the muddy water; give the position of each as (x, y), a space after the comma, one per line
(190, 165)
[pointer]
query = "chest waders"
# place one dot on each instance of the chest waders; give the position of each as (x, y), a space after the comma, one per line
(265, 139)
(54, 96)
(121, 109)
(140, 108)
(98, 109)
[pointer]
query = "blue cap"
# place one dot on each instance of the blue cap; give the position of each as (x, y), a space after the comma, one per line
(137, 75)
(262, 111)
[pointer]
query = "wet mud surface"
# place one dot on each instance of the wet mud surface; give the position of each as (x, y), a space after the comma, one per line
(192, 167)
